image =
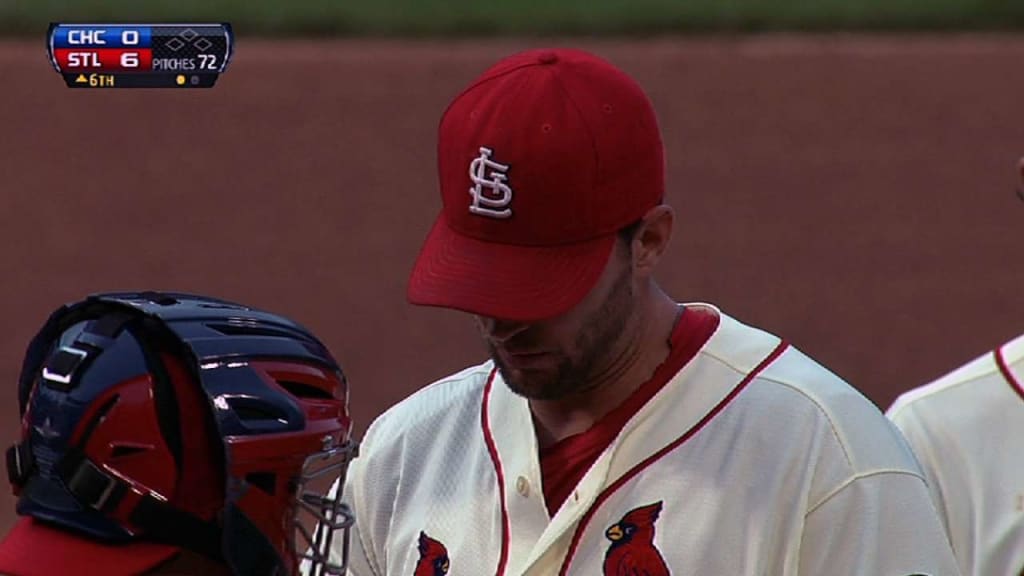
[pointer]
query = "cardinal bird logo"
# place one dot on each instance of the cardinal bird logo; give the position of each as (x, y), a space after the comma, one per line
(632, 551)
(433, 557)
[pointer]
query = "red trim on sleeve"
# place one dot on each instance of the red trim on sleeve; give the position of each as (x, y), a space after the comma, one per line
(1007, 374)
(493, 450)
(564, 463)
(581, 527)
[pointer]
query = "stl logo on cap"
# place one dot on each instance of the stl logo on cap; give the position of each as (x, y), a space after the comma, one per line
(495, 200)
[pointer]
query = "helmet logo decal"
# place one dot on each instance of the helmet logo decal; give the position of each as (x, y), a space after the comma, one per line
(46, 430)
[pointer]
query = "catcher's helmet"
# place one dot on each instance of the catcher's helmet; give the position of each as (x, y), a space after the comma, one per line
(158, 421)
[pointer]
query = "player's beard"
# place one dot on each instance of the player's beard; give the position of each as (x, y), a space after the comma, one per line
(575, 369)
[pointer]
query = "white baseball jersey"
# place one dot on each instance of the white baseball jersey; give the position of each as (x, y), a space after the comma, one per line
(753, 459)
(967, 429)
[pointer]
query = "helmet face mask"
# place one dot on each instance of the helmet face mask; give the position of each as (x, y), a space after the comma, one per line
(329, 516)
(290, 471)
(187, 421)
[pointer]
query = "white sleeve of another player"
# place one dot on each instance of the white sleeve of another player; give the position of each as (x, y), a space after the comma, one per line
(904, 416)
(944, 472)
(358, 560)
(358, 495)
(882, 523)
(361, 560)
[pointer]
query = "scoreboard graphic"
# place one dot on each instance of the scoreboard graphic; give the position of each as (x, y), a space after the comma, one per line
(140, 55)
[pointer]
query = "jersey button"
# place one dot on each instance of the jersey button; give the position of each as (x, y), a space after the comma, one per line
(523, 486)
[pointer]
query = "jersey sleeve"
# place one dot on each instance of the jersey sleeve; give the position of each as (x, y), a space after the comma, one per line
(361, 546)
(360, 558)
(933, 440)
(880, 523)
(369, 530)
(913, 429)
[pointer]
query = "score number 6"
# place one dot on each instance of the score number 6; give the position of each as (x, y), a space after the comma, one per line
(130, 59)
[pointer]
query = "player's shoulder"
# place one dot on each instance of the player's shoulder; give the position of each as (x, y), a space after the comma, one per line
(766, 357)
(991, 377)
(451, 398)
(798, 390)
(735, 345)
(780, 368)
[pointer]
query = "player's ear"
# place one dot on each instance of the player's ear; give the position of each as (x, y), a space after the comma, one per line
(1020, 176)
(652, 238)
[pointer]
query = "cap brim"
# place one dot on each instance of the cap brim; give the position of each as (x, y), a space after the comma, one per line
(32, 548)
(509, 282)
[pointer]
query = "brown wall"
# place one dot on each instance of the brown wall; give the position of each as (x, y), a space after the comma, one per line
(850, 194)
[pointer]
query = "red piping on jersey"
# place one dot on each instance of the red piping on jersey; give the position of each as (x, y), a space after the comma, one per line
(1001, 362)
(604, 495)
(505, 526)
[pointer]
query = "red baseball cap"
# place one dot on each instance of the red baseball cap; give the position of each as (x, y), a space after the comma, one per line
(541, 160)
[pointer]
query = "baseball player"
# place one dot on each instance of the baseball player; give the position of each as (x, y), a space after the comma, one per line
(177, 434)
(613, 430)
(965, 429)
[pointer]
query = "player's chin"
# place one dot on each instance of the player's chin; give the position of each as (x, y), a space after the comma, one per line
(543, 386)
(531, 382)
(535, 362)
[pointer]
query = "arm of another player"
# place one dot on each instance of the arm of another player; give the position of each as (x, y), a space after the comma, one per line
(906, 420)
(947, 477)
(880, 523)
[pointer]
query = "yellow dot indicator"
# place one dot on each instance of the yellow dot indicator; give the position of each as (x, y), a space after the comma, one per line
(180, 79)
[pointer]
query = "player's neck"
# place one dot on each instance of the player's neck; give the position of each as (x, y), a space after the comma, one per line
(643, 349)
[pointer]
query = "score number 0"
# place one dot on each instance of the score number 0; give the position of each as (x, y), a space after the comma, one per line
(130, 38)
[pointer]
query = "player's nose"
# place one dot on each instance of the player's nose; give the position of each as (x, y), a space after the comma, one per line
(498, 330)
